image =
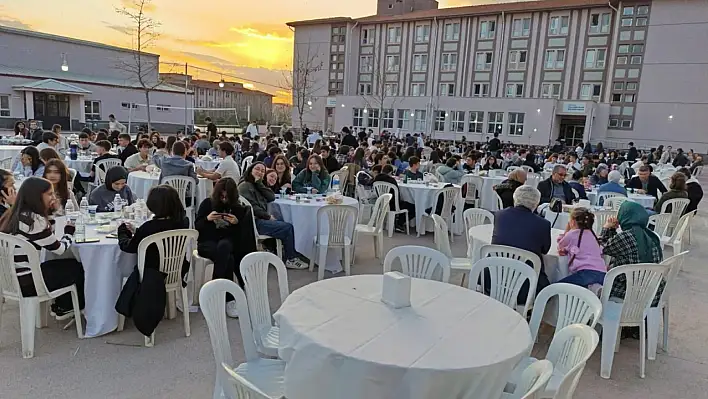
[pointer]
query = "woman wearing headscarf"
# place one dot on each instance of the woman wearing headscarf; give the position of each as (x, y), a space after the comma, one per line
(116, 183)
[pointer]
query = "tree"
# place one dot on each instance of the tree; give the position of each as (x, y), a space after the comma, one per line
(382, 97)
(303, 84)
(143, 68)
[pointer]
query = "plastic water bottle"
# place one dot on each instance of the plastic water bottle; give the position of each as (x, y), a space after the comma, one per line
(335, 183)
(476, 169)
(69, 208)
(117, 203)
(138, 212)
(80, 233)
(83, 206)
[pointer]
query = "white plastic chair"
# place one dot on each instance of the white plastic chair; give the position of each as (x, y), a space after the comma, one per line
(504, 251)
(6, 163)
(601, 197)
(262, 237)
(600, 219)
(265, 374)
(449, 197)
(186, 187)
(418, 262)
(575, 305)
(678, 205)
(570, 350)
(615, 203)
(675, 241)
(659, 223)
(575, 192)
(674, 265)
(512, 168)
(237, 387)
(499, 202)
(642, 283)
(533, 381)
(29, 306)
(474, 185)
(698, 171)
(381, 188)
(254, 270)
(246, 161)
(172, 248)
(527, 168)
(506, 278)
(72, 177)
(475, 217)
(198, 269)
(463, 265)
(102, 167)
(341, 221)
(375, 226)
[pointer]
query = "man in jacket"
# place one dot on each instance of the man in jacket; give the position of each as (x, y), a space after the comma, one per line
(632, 154)
(680, 160)
(329, 160)
(35, 132)
(694, 189)
(519, 227)
(126, 147)
(646, 182)
(176, 164)
(349, 138)
(556, 187)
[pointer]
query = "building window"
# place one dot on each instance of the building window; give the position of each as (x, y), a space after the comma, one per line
(636, 59)
(590, 91)
(483, 61)
(514, 89)
(618, 86)
(558, 26)
(458, 121)
(420, 62)
(516, 123)
(638, 35)
(480, 90)
(622, 60)
(394, 35)
(613, 123)
(595, 58)
(495, 122)
(163, 108)
(620, 73)
(422, 33)
(92, 110)
(368, 35)
(364, 89)
(631, 86)
(418, 89)
(627, 124)
(393, 63)
(517, 60)
(373, 118)
(627, 111)
(391, 89)
(366, 63)
(439, 121)
(447, 89)
(419, 124)
(628, 11)
(358, 117)
(521, 27)
(642, 10)
(637, 48)
(616, 97)
(641, 22)
(629, 98)
(403, 121)
(129, 105)
(550, 90)
(486, 29)
(449, 62)
(626, 22)
(476, 124)
(555, 59)
(625, 35)
(387, 118)
(600, 23)
(633, 73)
(452, 31)
(623, 49)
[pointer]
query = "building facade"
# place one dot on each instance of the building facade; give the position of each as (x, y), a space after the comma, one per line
(578, 70)
(76, 83)
(249, 104)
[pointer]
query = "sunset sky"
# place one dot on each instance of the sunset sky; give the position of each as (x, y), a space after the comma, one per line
(248, 39)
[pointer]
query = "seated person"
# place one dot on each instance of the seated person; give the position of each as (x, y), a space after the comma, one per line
(575, 183)
(125, 147)
(646, 183)
(451, 172)
(141, 159)
(600, 176)
(386, 175)
(227, 167)
(176, 164)
(49, 140)
(694, 190)
(214, 150)
(103, 149)
(56, 172)
(491, 164)
(413, 172)
(85, 143)
(677, 189)
(314, 179)
(283, 175)
(585, 264)
(613, 185)
(556, 187)
(329, 160)
(506, 189)
(470, 163)
(30, 163)
(49, 153)
(259, 196)
(536, 237)
(103, 195)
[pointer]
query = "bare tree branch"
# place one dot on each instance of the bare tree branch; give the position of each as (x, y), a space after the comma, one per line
(303, 83)
(380, 98)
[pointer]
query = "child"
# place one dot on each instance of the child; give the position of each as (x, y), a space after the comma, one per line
(586, 264)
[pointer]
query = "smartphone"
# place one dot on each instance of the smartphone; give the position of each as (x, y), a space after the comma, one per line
(88, 240)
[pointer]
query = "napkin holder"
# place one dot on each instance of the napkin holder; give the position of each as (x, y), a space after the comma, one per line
(396, 291)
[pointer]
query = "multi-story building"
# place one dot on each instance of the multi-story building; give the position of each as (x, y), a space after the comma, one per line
(579, 70)
(249, 104)
(76, 83)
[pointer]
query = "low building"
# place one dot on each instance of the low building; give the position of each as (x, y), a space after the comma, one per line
(77, 83)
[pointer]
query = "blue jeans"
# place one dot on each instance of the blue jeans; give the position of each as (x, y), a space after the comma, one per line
(281, 230)
(585, 278)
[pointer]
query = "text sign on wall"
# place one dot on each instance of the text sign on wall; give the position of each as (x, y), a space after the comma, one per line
(573, 108)
(331, 102)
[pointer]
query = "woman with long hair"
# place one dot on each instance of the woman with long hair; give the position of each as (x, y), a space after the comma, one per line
(283, 174)
(359, 158)
(20, 129)
(56, 172)
(225, 234)
(7, 191)
(301, 164)
(317, 148)
(291, 150)
(30, 163)
(30, 219)
(314, 178)
(491, 164)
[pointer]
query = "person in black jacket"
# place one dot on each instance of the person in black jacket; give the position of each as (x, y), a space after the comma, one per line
(646, 182)
(506, 189)
(226, 234)
(386, 175)
(556, 187)
(694, 189)
(681, 160)
(530, 162)
(632, 154)
(211, 129)
(126, 147)
(36, 132)
(348, 138)
(329, 160)
(494, 145)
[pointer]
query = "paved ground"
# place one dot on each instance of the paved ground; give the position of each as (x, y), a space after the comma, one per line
(180, 367)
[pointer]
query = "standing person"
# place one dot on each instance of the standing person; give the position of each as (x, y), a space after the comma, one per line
(226, 168)
(125, 147)
(114, 125)
(362, 135)
(646, 183)
(259, 196)
(314, 176)
(116, 183)
(632, 154)
(141, 159)
(494, 144)
(29, 219)
(586, 264)
(252, 130)
(55, 171)
(225, 234)
(212, 131)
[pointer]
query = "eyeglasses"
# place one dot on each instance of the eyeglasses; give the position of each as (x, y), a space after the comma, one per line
(562, 174)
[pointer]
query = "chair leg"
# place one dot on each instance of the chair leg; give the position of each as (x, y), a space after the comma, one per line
(43, 314)
(609, 338)
(279, 248)
(665, 343)
(185, 313)
(28, 318)
(77, 313)
(653, 317)
(121, 322)
(408, 225)
(353, 247)
(322, 261)
(172, 305)
(391, 220)
(642, 350)
(347, 260)
(379, 246)
(312, 258)
(2, 305)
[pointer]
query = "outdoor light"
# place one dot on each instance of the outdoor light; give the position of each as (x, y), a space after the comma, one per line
(64, 64)
(538, 110)
(519, 130)
(366, 111)
(535, 130)
(309, 102)
(412, 114)
(221, 84)
(671, 117)
(342, 105)
(446, 114)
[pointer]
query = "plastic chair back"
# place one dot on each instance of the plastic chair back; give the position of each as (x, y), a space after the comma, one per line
(642, 283)
(473, 186)
(527, 168)
(511, 169)
(576, 305)
(382, 187)
(246, 161)
(449, 196)
(6, 163)
(570, 349)
(237, 387)
(9, 283)
(103, 166)
(678, 205)
(534, 380)
(601, 197)
(475, 217)
(378, 215)
(615, 202)
(441, 239)
(499, 202)
(254, 270)
(341, 221)
(600, 219)
(674, 265)
(504, 251)
(680, 230)
(172, 248)
(660, 222)
(418, 262)
(184, 185)
(72, 176)
(506, 278)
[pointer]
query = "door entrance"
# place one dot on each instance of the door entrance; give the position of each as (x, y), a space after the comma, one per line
(572, 131)
(329, 119)
(52, 109)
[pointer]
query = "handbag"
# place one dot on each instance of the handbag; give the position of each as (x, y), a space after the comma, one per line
(556, 206)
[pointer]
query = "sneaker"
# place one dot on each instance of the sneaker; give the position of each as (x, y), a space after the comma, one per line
(296, 263)
(232, 309)
(60, 313)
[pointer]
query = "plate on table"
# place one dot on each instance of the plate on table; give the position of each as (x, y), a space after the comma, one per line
(105, 229)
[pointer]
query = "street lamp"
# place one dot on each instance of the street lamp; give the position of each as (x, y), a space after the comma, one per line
(221, 83)
(64, 63)
(309, 102)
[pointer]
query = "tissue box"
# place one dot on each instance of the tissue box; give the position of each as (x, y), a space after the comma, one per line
(396, 291)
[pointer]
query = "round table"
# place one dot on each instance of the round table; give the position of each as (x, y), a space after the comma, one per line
(303, 217)
(340, 341)
(644, 200)
(556, 266)
(423, 197)
(81, 165)
(141, 182)
(487, 199)
(10, 151)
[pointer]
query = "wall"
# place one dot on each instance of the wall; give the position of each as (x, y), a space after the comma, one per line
(314, 40)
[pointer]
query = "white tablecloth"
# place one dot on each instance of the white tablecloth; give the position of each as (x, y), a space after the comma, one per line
(340, 341)
(644, 200)
(556, 266)
(486, 196)
(208, 165)
(141, 182)
(10, 151)
(303, 217)
(82, 165)
(423, 197)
